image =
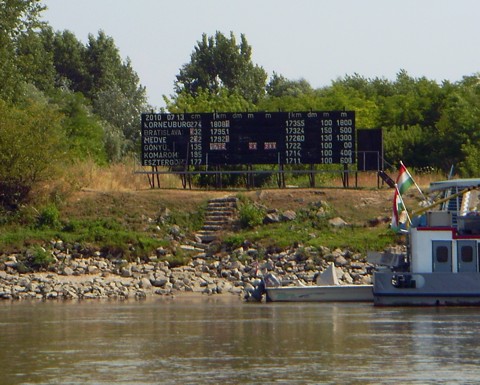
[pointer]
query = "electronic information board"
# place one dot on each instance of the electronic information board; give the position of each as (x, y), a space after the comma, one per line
(289, 138)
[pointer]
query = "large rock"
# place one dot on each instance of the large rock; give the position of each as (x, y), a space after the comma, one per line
(126, 271)
(145, 283)
(347, 278)
(341, 261)
(337, 222)
(271, 218)
(288, 215)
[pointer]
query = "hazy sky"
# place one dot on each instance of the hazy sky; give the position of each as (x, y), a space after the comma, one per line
(318, 40)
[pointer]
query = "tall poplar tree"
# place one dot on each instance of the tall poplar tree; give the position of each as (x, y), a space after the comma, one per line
(17, 19)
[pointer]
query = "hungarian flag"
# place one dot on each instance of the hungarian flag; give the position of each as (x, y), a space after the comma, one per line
(397, 208)
(404, 179)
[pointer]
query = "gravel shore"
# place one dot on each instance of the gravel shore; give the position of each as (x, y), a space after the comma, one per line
(95, 276)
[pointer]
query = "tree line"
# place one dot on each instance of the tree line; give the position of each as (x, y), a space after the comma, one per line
(63, 101)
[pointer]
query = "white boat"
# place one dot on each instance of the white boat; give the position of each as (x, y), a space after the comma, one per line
(326, 289)
(320, 293)
(441, 264)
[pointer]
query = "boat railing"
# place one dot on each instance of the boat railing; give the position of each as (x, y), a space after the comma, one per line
(469, 224)
(393, 260)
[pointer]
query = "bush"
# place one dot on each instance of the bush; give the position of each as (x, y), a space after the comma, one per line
(49, 217)
(250, 215)
(31, 140)
(13, 191)
(190, 221)
(39, 258)
(179, 258)
(234, 241)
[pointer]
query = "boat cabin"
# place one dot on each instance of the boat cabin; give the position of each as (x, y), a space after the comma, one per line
(454, 247)
(452, 233)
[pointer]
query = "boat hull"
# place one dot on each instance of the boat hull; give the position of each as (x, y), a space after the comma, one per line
(334, 293)
(426, 289)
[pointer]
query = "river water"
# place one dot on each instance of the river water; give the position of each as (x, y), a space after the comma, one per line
(221, 340)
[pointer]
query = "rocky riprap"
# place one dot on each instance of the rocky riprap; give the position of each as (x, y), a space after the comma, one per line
(81, 276)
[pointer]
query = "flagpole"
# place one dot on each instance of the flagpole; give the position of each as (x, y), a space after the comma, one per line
(420, 191)
(415, 183)
(403, 204)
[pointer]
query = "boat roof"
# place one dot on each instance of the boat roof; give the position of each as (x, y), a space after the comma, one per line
(454, 183)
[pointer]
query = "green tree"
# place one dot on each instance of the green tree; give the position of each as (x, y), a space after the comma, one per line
(103, 63)
(115, 90)
(17, 18)
(339, 97)
(121, 106)
(70, 61)
(458, 134)
(85, 135)
(218, 62)
(35, 61)
(302, 102)
(279, 86)
(207, 101)
(111, 87)
(413, 102)
(412, 145)
(335, 97)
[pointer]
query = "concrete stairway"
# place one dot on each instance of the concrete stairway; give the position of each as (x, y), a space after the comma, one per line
(220, 214)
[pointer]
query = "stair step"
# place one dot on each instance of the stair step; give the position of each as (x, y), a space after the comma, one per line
(213, 227)
(220, 212)
(216, 205)
(224, 199)
(199, 245)
(209, 218)
(225, 202)
(207, 238)
(220, 208)
(217, 223)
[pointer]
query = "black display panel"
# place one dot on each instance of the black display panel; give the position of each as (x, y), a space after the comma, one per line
(315, 137)
(370, 149)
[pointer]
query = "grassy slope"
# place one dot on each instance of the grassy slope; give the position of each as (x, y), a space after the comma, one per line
(116, 208)
(136, 209)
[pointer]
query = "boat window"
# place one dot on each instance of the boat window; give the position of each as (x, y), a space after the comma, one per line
(442, 254)
(466, 254)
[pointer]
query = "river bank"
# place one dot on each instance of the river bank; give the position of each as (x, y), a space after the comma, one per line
(96, 277)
